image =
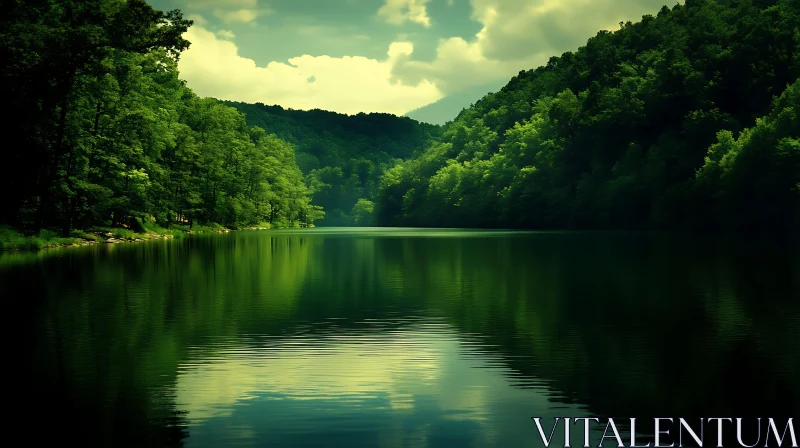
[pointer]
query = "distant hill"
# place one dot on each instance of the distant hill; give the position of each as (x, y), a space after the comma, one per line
(342, 156)
(447, 108)
(687, 119)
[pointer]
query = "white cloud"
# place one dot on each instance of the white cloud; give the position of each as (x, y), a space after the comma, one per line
(230, 11)
(518, 35)
(398, 12)
(350, 84)
(197, 19)
(458, 65)
(226, 34)
(232, 4)
(238, 15)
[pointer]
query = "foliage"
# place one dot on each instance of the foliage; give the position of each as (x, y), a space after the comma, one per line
(85, 235)
(363, 212)
(105, 133)
(643, 127)
(686, 119)
(342, 156)
(11, 239)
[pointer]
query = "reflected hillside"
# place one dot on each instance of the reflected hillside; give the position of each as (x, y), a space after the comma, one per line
(633, 325)
(149, 343)
(110, 325)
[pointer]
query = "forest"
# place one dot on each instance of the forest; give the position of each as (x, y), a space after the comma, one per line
(105, 133)
(689, 119)
(343, 157)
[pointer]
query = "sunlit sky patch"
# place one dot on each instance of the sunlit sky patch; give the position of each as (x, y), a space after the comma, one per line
(390, 56)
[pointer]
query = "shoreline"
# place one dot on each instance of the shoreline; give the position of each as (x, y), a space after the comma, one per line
(12, 241)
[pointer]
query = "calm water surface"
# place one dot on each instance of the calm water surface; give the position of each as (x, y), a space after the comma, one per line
(395, 338)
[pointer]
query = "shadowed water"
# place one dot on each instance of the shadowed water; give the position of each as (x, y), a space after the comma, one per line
(396, 337)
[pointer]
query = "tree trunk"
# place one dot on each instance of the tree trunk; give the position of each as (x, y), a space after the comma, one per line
(51, 169)
(50, 174)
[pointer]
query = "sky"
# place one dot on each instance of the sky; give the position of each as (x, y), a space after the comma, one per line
(390, 56)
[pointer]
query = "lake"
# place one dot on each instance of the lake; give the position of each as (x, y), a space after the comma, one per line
(395, 337)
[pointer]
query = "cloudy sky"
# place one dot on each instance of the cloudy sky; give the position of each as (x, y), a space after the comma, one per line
(390, 56)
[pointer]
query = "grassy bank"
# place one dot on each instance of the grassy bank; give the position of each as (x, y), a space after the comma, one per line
(12, 239)
(15, 240)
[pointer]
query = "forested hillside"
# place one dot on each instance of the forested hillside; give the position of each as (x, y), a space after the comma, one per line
(101, 130)
(686, 119)
(343, 156)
